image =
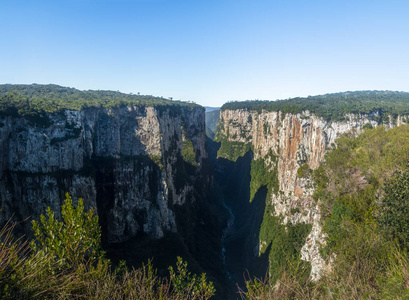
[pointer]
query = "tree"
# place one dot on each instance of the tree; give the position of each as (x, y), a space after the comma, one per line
(187, 286)
(74, 240)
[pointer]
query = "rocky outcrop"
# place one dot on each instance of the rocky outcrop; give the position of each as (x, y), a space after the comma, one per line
(295, 140)
(126, 162)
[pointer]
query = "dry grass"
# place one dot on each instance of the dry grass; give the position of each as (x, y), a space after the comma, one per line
(370, 268)
(25, 274)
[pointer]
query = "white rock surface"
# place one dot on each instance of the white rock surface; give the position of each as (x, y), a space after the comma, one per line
(103, 156)
(295, 139)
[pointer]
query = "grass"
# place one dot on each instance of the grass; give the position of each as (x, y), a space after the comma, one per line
(25, 274)
(352, 187)
(44, 269)
(364, 277)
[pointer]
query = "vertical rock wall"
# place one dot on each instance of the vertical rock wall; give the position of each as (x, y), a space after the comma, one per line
(295, 140)
(124, 162)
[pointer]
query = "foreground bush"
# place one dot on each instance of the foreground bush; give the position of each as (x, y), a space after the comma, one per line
(66, 261)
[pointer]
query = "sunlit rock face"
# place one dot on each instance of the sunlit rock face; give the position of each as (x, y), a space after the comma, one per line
(123, 161)
(296, 140)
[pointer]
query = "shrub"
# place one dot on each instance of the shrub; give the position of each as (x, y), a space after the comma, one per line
(303, 171)
(187, 286)
(394, 210)
(66, 262)
(74, 240)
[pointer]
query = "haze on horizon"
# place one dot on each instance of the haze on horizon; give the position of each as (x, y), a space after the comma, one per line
(210, 51)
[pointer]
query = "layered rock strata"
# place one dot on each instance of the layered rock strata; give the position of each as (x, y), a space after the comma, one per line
(295, 140)
(126, 162)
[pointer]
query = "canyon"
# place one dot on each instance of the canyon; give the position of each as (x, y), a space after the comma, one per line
(288, 146)
(242, 202)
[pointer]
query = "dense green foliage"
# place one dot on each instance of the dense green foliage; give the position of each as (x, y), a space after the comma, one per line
(35, 101)
(75, 240)
(284, 243)
(232, 150)
(264, 175)
(351, 183)
(335, 106)
(188, 152)
(229, 149)
(362, 191)
(353, 188)
(66, 262)
(187, 285)
(304, 171)
(349, 188)
(394, 210)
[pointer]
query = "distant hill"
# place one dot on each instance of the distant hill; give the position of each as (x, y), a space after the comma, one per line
(335, 106)
(209, 109)
(212, 118)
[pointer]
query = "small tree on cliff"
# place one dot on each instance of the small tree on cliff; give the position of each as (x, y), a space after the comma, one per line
(74, 240)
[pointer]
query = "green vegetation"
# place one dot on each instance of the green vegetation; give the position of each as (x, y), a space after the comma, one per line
(394, 210)
(284, 242)
(335, 106)
(65, 261)
(231, 150)
(33, 102)
(354, 188)
(304, 171)
(262, 175)
(186, 285)
(188, 152)
(363, 194)
(73, 241)
(157, 160)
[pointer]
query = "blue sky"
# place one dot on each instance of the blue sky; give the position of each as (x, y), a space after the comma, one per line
(208, 51)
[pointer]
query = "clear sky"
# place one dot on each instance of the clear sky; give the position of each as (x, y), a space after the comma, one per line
(207, 51)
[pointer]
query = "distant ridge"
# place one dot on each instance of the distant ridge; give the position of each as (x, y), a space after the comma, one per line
(52, 98)
(209, 109)
(334, 106)
(212, 118)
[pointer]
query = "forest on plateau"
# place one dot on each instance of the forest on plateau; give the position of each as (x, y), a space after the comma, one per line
(335, 106)
(33, 102)
(128, 199)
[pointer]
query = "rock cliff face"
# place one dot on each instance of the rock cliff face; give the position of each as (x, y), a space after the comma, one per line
(128, 163)
(286, 142)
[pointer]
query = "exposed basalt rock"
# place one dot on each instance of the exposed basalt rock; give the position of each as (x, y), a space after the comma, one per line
(122, 161)
(296, 140)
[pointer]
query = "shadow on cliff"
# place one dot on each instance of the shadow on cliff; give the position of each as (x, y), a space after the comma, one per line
(125, 187)
(199, 223)
(240, 238)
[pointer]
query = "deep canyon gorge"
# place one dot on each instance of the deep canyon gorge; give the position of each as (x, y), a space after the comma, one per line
(162, 188)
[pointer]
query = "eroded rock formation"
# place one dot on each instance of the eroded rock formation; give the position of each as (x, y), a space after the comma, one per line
(127, 163)
(295, 140)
